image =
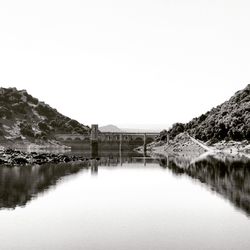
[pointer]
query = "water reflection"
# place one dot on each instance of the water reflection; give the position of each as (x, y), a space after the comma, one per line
(143, 207)
(228, 176)
(18, 185)
(94, 166)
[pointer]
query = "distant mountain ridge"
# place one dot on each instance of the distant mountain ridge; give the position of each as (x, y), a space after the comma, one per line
(25, 118)
(110, 128)
(115, 129)
(228, 121)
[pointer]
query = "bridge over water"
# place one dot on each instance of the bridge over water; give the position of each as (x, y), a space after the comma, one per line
(95, 136)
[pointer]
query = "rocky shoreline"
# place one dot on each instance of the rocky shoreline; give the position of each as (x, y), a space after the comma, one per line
(183, 144)
(15, 157)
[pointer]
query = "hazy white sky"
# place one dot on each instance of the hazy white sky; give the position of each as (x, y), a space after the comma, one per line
(126, 62)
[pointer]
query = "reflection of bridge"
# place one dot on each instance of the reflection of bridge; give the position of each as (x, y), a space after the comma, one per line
(97, 136)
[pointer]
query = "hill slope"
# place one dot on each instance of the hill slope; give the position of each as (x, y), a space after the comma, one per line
(25, 118)
(228, 121)
(110, 128)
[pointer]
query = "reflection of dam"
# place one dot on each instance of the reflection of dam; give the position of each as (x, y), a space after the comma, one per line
(229, 178)
(119, 161)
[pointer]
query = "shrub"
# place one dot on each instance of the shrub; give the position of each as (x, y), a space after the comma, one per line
(26, 130)
(4, 112)
(43, 127)
(19, 107)
(45, 111)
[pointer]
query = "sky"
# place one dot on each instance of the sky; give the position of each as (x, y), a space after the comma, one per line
(133, 63)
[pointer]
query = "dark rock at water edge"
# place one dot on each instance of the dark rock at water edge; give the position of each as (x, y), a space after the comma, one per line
(15, 157)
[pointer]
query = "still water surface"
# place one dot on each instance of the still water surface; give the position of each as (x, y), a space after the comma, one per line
(127, 202)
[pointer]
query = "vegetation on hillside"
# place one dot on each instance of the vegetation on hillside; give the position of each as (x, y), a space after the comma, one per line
(228, 121)
(24, 117)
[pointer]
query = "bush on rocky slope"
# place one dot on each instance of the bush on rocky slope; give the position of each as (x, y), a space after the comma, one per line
(23, 115)
(228, 121)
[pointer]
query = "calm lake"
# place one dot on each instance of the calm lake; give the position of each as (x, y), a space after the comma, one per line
(127, 202)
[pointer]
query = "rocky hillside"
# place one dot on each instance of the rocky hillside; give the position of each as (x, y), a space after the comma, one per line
(228, 121)
(25, 118)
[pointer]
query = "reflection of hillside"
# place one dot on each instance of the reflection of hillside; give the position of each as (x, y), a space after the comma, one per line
(18, 185)
(228, 177)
